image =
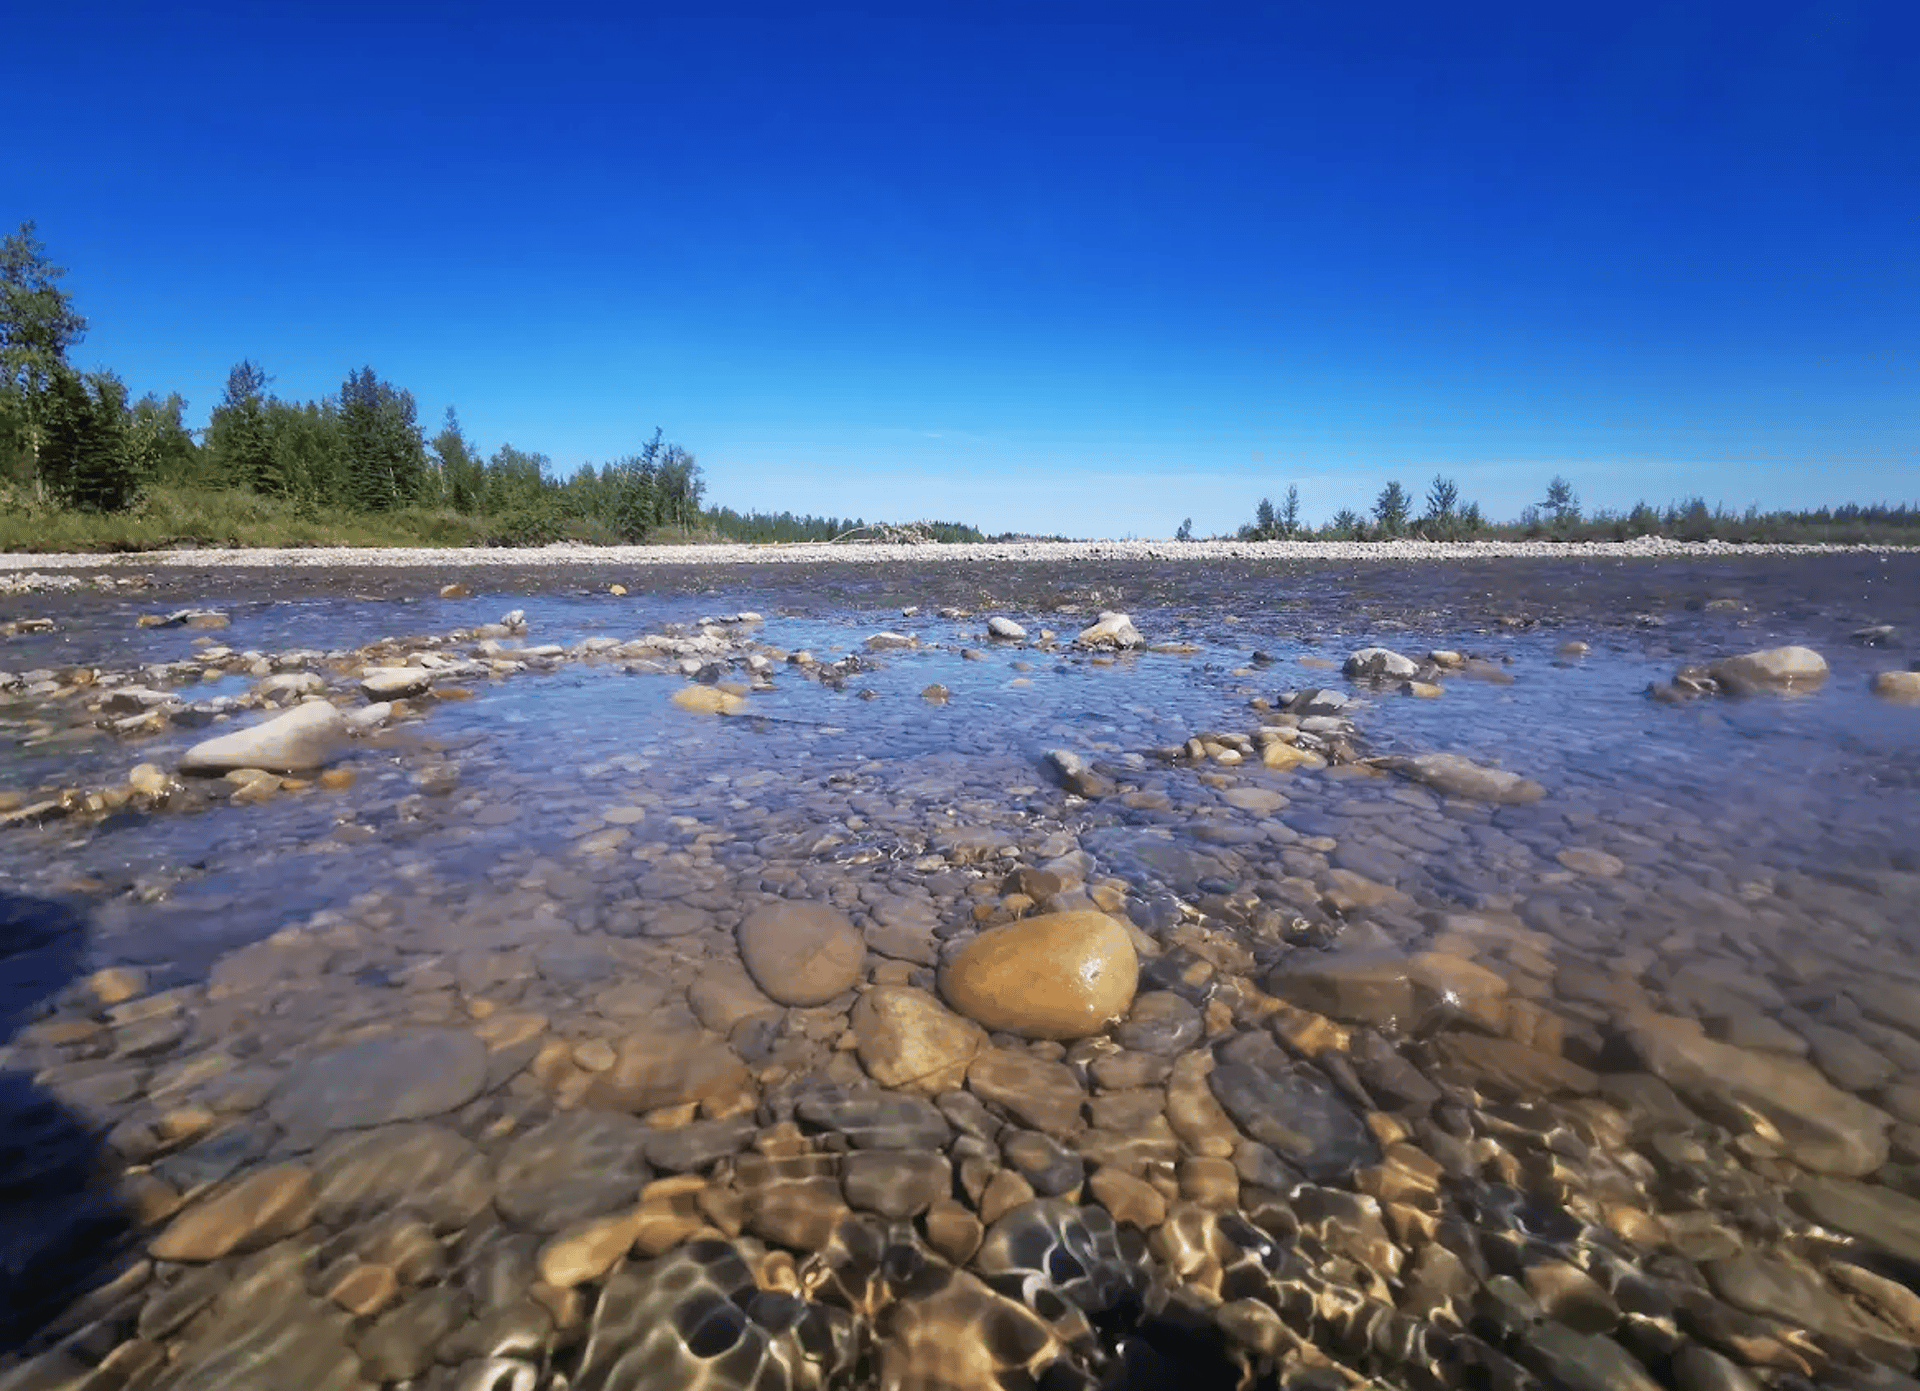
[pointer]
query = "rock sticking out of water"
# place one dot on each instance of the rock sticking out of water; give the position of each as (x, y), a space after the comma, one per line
(1056, 976)
(298, 741)
(1111, 630)
(1380, 664)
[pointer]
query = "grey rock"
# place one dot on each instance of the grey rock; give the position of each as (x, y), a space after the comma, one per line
(876, 1120)
(1380, 664)
(1299, 1116)
(1824, 1129)
(1160, 1023)
(426, 1169)
(699, 1146)
(1462, 777)
(576, 1166)
(896, 1184)
(412, 1074)
(1006, 629)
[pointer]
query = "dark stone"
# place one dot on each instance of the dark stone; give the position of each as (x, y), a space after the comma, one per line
(699, 1146)
(401, 1342)
(876, 1119)
(1303, 1119)
(896, 1184)
(1160, 1023)
(424, 1169)
(1043, 1162)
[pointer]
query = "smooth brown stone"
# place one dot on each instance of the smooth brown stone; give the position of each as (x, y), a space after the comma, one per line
(257, 1210)
(953, 1231)
(586, 1250)
(366, 1290)
(1128, 1198)
(1056, 976)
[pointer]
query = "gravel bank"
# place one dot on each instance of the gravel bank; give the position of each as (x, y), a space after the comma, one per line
(1012, 551)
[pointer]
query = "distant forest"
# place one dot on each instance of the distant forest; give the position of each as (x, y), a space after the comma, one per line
(1446, 516)
(82, 466)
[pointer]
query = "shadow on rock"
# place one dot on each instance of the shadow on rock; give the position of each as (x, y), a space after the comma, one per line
(63, 1230)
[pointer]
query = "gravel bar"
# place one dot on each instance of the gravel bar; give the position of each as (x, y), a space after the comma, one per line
(994, 551)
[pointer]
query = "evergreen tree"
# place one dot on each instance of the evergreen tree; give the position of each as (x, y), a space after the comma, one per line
(237, 435)
(463, 476)
(1266, 521)
(1390, 510)
(1290, 512)
(384, 458)
(85, 460)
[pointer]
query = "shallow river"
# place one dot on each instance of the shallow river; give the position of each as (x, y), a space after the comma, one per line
(361, 1085)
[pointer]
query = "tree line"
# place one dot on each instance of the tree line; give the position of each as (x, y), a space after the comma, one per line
(72, 440)
(1558, 516)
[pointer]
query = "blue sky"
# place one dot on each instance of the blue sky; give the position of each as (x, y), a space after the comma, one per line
(1068, 267)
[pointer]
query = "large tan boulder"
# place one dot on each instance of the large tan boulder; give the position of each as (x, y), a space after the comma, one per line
(1773, 669)
(1059, 976)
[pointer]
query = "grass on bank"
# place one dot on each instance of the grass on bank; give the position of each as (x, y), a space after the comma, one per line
(170, 517)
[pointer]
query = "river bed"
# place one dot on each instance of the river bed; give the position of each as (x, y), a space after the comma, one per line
(1610, 1087)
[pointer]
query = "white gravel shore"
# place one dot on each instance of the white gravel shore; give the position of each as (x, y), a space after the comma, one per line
(345, 557)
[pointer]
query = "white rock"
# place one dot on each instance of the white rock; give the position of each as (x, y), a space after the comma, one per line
(1775, 668)
(1000, 627)
(1381, 663)
(389, 683)
(1111, 630)
(291, 683)
(297, 741)
(129, 700)
(1900, 686)
(369, 717)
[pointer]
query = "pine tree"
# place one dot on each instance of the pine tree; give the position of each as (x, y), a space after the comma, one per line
(384, 456)
(37, 326)
(1290, 512)
(1390, 510)
(237, 435)
(85, 461)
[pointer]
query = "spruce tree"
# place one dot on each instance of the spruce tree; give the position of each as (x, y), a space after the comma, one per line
(85, 461)
(386, 460)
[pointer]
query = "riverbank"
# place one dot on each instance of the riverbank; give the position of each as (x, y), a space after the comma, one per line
(391, 557)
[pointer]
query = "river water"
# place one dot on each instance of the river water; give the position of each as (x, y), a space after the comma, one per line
(1684, 1032)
